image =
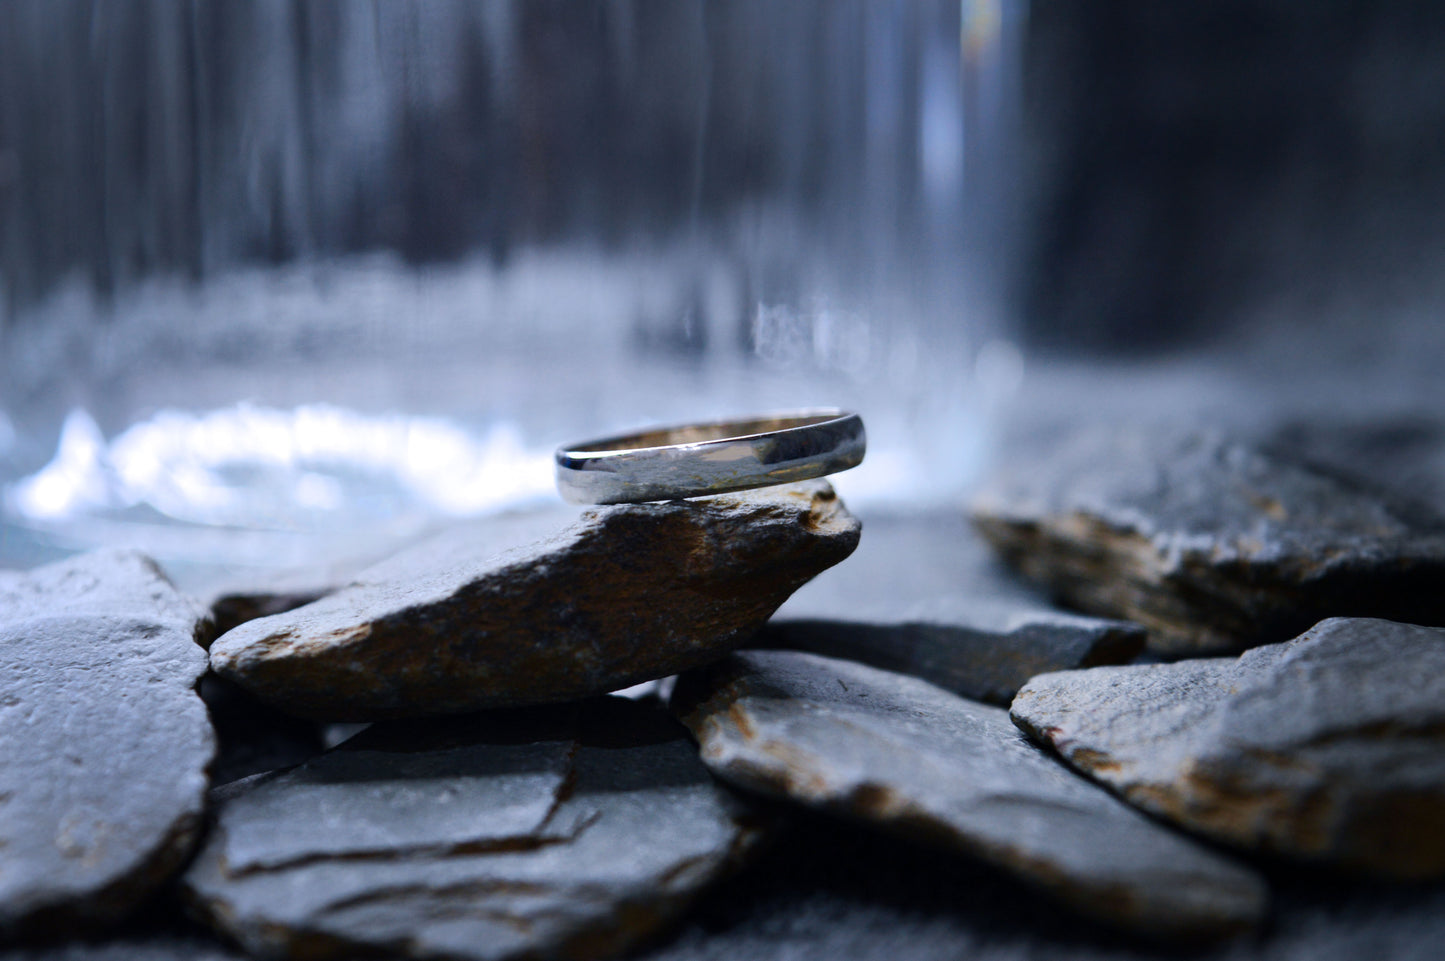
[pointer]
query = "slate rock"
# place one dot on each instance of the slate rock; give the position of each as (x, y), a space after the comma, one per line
(104, 743)
(1329, 748)
(827, 891)
(244, 595)
(565, 831)
(905, 755)
(247, 595)
(925, 596)
(105, 582)
(1213, 545)
(626, 594)
(1401, 457)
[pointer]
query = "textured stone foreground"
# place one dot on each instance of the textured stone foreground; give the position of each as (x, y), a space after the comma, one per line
(102, 583)
(1213, 545)
(565, 831)
(104, 743)
(926, 596)
(1329, 748)
(626, 594)
(907, 756)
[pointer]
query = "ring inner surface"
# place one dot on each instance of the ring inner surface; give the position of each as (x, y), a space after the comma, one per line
(701, 433)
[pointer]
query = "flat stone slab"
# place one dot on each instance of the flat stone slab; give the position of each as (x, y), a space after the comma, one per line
(565, 831)
(926, 596)
(905, 755)
(1329, 748)
(624, 595)
(1213, 545)
(104, 742)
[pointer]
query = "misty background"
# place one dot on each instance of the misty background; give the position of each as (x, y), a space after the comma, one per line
(280, 276)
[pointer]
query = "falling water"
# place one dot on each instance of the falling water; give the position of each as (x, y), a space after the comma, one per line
(506, 224)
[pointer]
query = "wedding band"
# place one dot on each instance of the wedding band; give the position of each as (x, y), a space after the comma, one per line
(693, 460)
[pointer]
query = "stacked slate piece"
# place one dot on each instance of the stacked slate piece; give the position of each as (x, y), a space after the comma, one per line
(1321, 743)
(1318, 748)
(1163, 688)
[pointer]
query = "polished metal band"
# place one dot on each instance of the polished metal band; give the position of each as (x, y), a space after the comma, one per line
(693, 460)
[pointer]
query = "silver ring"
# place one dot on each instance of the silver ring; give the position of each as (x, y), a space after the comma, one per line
(694, 460)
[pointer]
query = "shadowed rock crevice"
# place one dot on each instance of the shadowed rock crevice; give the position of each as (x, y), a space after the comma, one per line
(925, 596)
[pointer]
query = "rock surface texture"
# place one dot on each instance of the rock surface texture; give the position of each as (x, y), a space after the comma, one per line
(240, 597)
(565, 831)
(1401, 456)
(104, 742)
(827, 891)
(925, 596)
(626, 594)
(103, 583)
(232, 609)
(903, 754)
(1330, 748)
(1212, 545)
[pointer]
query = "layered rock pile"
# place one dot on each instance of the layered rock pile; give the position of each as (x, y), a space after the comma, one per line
(918, 755)
(555, 822)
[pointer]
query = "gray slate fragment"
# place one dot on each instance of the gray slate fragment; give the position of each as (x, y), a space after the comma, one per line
(925, 596)
(243, 597)
(827, 892)
(104, 743)
(1213, 545)
(905, 755)
(1402, 456)
(1330, 748)
(566, 831)
(624, 595)
(106, 582)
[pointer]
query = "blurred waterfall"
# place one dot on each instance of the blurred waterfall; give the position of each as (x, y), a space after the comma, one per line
(544, 217)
